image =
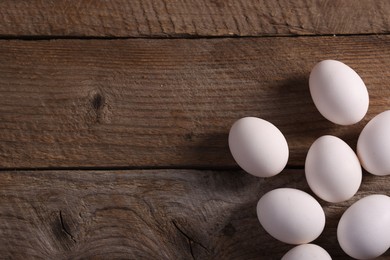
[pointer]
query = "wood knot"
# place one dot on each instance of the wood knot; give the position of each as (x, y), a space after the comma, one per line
(188, 136)
(62, 231)
(97, 111)
(98, 101)
(229, 230)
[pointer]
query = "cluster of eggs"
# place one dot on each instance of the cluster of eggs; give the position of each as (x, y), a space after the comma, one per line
(332, 169)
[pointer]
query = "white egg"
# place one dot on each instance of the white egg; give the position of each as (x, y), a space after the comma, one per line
(332, 169)
(307, 252)
(258, 146)
(338, 92)
(364, 229)
(373, 147)
(291, 216)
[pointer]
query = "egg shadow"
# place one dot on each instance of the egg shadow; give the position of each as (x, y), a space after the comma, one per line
(307, 123)
(298, 118)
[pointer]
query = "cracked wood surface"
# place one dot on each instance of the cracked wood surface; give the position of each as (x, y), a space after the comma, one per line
(169, 103)
(191, 18)
(149, 214)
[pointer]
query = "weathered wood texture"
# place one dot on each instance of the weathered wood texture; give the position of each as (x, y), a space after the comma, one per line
(177, 18)
(168, 103)
(155, 214)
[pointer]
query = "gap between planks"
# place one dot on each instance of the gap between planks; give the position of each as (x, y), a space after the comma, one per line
(135, 168)
(179, 36)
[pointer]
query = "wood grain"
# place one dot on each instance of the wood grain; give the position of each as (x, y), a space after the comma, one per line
(154, 214)
(168, 103)
(191, 18)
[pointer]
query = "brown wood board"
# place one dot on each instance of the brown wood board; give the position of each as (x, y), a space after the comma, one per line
(169, 103)
(191, 18)
(152, 214)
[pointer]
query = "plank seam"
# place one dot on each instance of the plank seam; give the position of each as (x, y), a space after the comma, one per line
(133, 168)
(178, 36)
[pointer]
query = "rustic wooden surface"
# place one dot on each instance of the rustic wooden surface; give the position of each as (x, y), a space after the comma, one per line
(168, 103)
(191, 18)
(113, 147)
(180, 214)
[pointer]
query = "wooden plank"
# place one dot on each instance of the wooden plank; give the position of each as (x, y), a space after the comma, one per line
(155, 214)
(168, 103)
(192, 18)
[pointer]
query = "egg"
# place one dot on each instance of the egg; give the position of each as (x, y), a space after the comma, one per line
(307, 252)
(338, 92)
(364, 228)
(258, 146)
(373, 146)
(291, 216)
(332, 169)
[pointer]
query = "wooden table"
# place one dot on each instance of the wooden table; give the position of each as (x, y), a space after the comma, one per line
(114, 118)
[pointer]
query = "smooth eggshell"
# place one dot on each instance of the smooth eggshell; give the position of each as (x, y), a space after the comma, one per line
(373, 147)
(338, 92)
(364, 229)
(291, 216)
(332, 169)
(258, 146)
(307, 252)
